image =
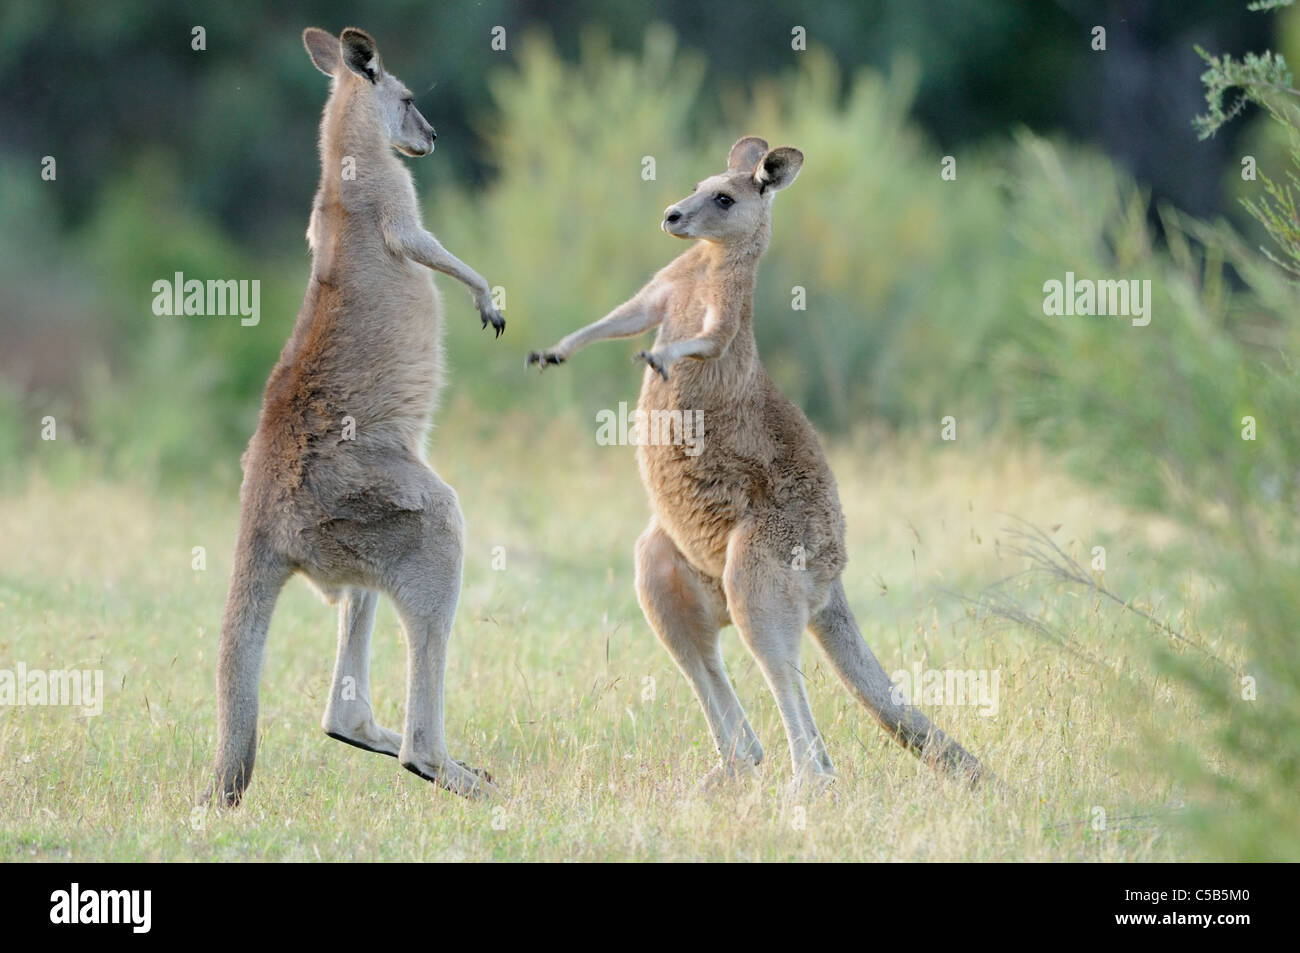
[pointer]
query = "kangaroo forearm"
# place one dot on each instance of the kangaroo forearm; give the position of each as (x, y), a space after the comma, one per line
(428, 251)
(710, 343)
(628, 319)
(703, 348)
(419, 246)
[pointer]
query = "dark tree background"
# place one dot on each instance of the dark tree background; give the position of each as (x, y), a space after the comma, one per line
(102, 83)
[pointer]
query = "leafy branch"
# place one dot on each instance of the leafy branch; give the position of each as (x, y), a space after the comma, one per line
(1263, 79)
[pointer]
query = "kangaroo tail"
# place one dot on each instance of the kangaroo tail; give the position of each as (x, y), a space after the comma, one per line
(837, 631)
(255, 585)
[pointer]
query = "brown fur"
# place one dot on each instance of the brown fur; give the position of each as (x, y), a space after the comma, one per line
(363, 515)
(750, 529)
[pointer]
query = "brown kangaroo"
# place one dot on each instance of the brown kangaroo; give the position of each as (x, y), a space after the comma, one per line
(731, 511)
(336, 485)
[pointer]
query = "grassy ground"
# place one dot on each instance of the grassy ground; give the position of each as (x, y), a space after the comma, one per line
(549, 683)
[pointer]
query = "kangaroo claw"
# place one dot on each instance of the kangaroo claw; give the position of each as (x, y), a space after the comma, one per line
(652, 361)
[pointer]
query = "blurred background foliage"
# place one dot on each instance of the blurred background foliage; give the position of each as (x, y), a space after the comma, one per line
(203, 162)
(924, 297)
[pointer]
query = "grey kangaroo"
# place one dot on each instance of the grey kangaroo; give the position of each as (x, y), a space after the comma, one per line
(336, 485)
(747, 525)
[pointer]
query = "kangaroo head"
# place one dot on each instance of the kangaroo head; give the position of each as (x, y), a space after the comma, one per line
(353, 58)
(735, 206)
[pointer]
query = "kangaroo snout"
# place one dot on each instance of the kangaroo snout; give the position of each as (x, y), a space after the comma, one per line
(427, 146)
(672, 217)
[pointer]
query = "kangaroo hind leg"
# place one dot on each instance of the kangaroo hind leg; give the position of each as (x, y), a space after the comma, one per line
(769, 605)
(686, 611)
(349, 716)
(424, 583)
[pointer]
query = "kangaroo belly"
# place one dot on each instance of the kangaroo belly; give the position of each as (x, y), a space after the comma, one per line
(387, 364)
(400, 356)
(692, 453)
(753, 461)
(696, 503)
(358, 378)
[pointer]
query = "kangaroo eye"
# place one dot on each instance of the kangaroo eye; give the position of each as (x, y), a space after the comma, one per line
(408, 102)
(724, 200)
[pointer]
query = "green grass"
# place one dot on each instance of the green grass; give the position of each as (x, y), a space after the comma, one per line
(549, 668)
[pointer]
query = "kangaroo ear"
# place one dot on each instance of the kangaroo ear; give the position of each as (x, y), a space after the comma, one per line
(360, 53)
(323, 48)
(778, 169)
(745, 153)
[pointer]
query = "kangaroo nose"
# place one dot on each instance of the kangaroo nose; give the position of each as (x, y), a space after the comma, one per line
(672, 216)
(432, 135)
